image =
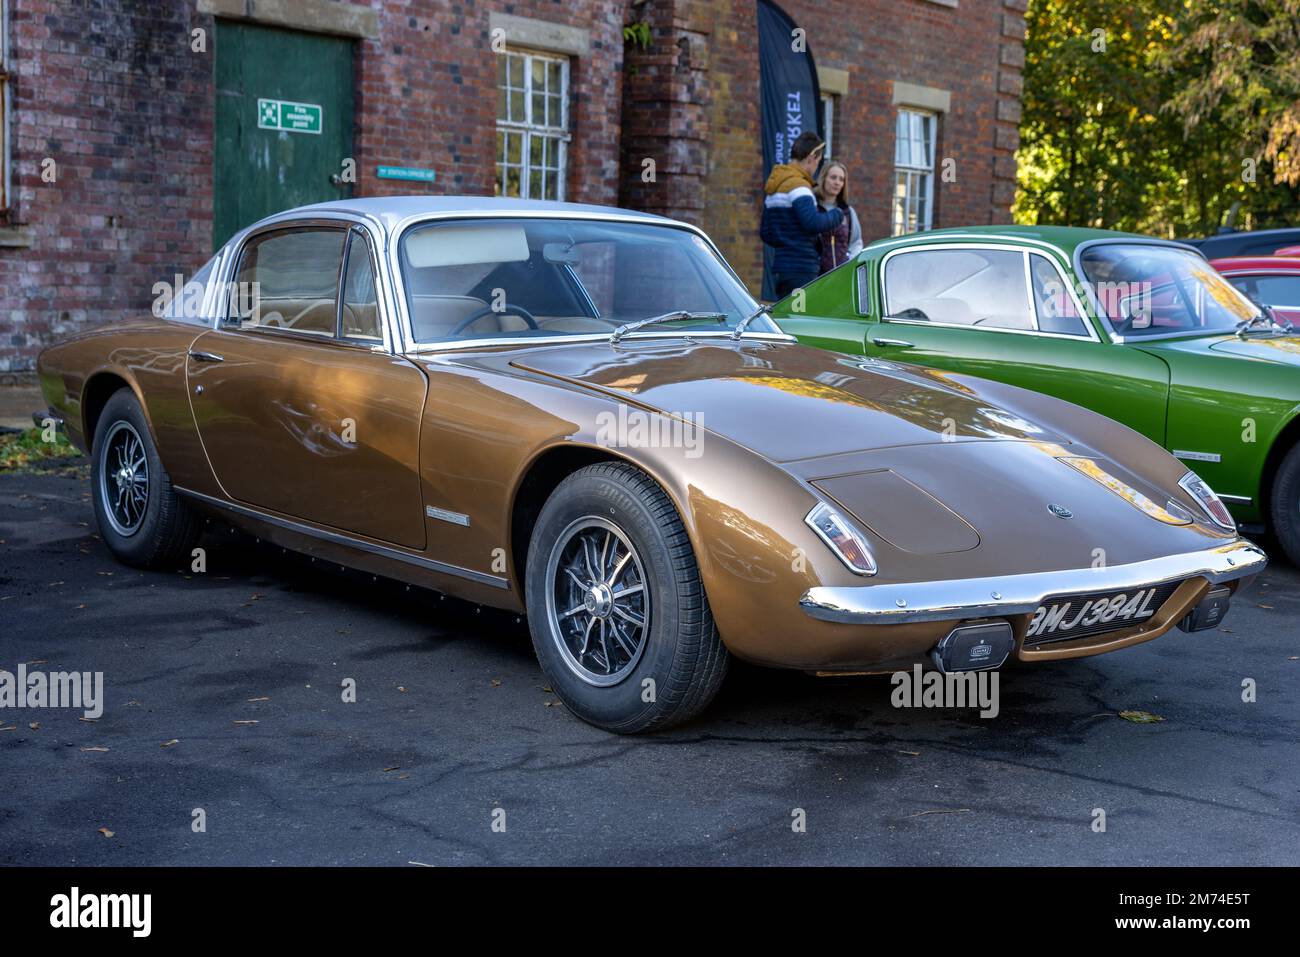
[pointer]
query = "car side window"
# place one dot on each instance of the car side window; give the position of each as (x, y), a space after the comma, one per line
(982, 288)
(864, 290)
(1054, 306)
(187, 304)
(359, 316)
(293, 277)
(1270, 290)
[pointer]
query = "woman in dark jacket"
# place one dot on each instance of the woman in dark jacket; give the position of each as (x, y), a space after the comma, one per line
(842, 243)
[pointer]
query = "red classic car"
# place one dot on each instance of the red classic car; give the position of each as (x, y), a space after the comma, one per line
(1272, 281)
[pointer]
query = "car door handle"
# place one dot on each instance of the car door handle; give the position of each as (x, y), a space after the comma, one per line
(198, 356)
(896, 343)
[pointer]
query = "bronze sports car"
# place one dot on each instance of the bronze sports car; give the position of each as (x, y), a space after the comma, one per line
(579, 414)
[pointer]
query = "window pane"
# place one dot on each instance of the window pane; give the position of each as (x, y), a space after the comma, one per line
(360, 304)
(574, 276)
(964, 287)
(1278, 290)
(296, 272)
(1052, 301)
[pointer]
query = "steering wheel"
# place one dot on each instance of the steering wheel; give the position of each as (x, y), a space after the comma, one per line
(508, 309)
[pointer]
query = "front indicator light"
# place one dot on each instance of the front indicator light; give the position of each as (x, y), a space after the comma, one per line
(842, 539)
(1195, 486)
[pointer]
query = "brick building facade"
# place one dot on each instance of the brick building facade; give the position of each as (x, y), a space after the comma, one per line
(113, 146)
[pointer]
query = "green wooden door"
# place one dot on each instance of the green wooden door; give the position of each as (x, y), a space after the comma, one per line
(283, 122)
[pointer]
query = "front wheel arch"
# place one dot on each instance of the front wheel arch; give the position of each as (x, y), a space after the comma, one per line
(543, 476)
(1286, 439)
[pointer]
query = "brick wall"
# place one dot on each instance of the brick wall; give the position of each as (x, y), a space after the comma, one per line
(426, 96)
(112, 92)
(701, 77)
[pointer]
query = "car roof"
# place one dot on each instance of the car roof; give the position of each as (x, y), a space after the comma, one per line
(1064, 238)
(1258, 264)
(391, 210)
(1258, 242)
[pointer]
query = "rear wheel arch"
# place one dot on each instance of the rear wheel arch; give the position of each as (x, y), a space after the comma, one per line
(99, 388)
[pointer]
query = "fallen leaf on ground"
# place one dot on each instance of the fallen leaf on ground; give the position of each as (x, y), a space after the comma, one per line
(106, 832)
(915, 754)
(168, 744)
(35, 726)
(496, 682)
(259, 699)
(1140, 717)
(395, 767)
(12, 727)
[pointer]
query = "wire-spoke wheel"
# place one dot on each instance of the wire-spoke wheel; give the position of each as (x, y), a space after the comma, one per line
(619, 618)
(124, 479)
(598, 605)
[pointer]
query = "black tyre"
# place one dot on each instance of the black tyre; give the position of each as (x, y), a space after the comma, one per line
(618, 614)
(141, 519)
(1284, 507)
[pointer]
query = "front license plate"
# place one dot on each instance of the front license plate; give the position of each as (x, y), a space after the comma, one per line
(1078, 616)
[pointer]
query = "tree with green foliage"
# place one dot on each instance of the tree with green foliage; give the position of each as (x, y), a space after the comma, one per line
(1159, 116)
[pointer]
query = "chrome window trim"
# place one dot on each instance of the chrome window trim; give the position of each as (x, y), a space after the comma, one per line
(1009, 246)
(430, 348)
(399, 230)
(374, 281)
(1074, 298)
(341, 538)
(375, 235)
(1005, 595)
(863, 289)
(939, 238)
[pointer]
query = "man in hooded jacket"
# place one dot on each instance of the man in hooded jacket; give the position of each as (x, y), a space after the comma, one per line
(791, 221)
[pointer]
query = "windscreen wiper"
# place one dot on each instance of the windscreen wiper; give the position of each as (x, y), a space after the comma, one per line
(1261, 323)
(678, 316)
(740, 326)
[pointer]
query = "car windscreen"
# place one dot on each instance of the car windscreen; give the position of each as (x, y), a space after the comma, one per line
(1150, 290)
(526, 277)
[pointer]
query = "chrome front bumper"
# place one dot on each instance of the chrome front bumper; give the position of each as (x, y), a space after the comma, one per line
(997, 597)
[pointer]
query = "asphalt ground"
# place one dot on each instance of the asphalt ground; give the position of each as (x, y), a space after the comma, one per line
(223, 692)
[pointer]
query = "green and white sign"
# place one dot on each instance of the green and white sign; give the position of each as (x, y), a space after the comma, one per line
(290, 116)
(405, 172)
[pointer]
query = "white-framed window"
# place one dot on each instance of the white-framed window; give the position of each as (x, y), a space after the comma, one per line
(532, 124)
(914, 135)
(827, 110)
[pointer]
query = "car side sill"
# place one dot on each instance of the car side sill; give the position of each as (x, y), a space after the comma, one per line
(1020, 594)
(338, 538)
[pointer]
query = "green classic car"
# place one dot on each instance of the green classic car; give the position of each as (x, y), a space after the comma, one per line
(1142, 330)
